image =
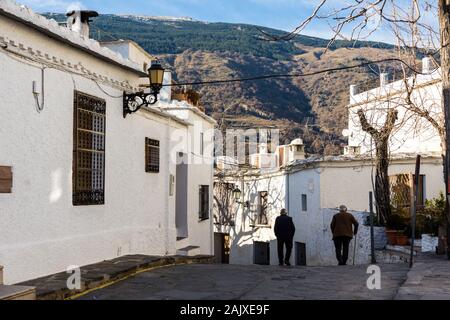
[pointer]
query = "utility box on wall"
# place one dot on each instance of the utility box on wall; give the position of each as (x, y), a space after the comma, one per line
(6, 179)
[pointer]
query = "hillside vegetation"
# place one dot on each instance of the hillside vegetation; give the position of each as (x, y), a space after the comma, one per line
(313, 107)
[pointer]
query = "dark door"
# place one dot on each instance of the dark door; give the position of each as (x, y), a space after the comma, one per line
(225, 248)
(300, 254)
(261, 253)
(222, 247)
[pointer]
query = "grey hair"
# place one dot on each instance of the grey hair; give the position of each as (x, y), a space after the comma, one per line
(342, 208)
(283, 211)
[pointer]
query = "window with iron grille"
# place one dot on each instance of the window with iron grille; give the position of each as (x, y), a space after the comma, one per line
(88, 180)
(262, 208)
(151, 155)
(204, 202)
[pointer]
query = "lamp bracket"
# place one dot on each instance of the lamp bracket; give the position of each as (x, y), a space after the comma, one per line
(132, 102)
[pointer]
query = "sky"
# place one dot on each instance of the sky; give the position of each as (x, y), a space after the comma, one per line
(278, 14)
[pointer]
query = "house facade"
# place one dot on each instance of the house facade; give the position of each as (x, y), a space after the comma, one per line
(79, 182)
(312, 189)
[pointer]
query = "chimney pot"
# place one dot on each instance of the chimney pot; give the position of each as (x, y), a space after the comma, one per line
(78, 21)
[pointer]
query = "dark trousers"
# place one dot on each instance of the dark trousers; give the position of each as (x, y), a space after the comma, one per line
(341, 244)
(281, 243)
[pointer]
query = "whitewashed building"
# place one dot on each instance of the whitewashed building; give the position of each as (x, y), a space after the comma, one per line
(312, 189)
(412, 133)
(79, 183)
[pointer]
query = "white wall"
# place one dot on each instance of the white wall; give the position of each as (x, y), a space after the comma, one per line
(332, 184)
(200, 172)
(41, 232)
(309, 224)
(244, 233)
(350, 185)
(412, 133)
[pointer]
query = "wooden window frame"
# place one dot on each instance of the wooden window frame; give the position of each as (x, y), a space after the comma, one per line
(89, 146)
(204, 205)
(6, 179)
(152, 149)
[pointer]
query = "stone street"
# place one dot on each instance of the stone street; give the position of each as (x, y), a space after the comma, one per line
(228, 282)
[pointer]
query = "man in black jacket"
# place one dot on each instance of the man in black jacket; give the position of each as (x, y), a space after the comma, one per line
(284, 231)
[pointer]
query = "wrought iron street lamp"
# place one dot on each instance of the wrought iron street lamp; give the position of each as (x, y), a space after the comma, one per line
(237, 194)
(132, 102)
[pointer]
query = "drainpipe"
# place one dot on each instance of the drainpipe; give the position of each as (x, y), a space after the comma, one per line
(167, 184)
(211, 217)
(287, 181)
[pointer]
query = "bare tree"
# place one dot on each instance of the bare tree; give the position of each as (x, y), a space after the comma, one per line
(381, 139)
(416, 31)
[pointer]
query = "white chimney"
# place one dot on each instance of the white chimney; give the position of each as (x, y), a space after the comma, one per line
(263, 148)
(296, 150)
(78, 21)
(426, 65)
(384, 79)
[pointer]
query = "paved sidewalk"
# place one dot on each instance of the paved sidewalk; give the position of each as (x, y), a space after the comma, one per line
(54, 287)
(429, 279)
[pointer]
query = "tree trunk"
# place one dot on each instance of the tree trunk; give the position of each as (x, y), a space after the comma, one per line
(382, 188)
(444, 28)
(381, 139)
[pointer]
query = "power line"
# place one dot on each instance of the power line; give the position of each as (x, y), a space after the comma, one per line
(295, 75)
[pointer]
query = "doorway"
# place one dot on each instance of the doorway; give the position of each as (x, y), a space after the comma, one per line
(222, 247)
(261, 253)
(300, 254)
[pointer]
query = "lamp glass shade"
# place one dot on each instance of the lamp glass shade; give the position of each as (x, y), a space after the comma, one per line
(156, 75)
(237, 194)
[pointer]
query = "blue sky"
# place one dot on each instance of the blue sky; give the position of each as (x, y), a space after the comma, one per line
(279, 14)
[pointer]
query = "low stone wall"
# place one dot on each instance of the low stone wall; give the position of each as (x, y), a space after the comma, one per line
(429, 243)
(320, 248)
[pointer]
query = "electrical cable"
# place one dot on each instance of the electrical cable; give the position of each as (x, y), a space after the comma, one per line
(296, 75)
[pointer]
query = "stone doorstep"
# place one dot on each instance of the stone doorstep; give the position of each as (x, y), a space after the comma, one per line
(54, 287)
(187, 250)
(17, 293)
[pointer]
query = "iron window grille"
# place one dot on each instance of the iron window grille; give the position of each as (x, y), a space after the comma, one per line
(88, 180)
(152, 152)
(204, 202)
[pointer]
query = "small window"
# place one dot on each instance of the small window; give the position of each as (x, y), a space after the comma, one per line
(202, 143)
(304, 202)
(204, 202)
(151, 155)
(171, 185)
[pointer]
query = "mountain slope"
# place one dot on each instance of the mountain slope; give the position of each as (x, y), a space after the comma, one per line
(310, 107)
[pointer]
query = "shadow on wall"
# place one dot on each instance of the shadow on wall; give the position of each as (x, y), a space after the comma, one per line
(320, 247)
